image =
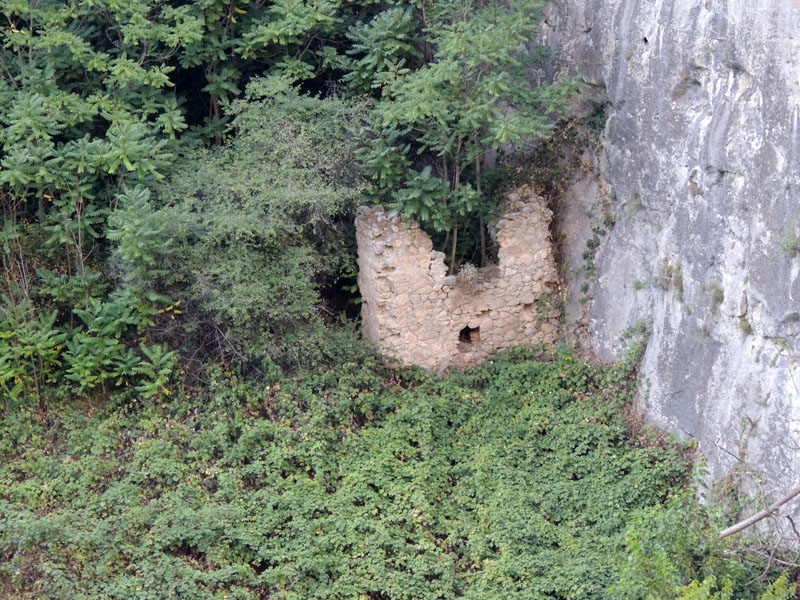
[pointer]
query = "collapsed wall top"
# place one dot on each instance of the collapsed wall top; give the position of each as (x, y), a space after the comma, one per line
(418, 314)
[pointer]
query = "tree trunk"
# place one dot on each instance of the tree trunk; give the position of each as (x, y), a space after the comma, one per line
(480, 217)
(216, 112)
(453, 250)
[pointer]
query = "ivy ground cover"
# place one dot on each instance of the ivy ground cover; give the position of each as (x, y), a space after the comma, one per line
(515, 480)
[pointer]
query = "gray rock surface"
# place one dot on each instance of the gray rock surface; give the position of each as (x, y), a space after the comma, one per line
(700, 164)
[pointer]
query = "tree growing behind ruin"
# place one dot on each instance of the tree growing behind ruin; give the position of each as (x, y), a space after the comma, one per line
(470, 93)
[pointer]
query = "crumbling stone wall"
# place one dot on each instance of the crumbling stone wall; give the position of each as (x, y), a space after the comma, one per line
(418, 314)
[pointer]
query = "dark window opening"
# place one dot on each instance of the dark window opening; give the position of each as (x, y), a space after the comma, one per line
(470, 335)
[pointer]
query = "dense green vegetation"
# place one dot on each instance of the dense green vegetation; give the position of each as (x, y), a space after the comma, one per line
(258, 226)
(516, 480)
(169, 194)
(186, 408)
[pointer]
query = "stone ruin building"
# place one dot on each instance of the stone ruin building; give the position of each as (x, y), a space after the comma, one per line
(420, 315)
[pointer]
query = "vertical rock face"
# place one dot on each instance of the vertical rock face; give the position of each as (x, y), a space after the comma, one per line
(701, 162)
(418, 314)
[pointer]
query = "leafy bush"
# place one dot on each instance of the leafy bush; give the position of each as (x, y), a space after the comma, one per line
(455, 85)
(261, 224)
(95, 348)
(99, 98)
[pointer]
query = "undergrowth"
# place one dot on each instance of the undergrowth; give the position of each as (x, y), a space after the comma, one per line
(517, 480)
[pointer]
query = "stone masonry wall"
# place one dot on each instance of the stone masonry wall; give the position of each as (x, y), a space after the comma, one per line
(418, 314)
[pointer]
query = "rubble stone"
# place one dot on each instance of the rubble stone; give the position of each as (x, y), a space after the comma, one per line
(443, 322)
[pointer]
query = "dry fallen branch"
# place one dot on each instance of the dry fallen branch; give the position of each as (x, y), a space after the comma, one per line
(760, 515)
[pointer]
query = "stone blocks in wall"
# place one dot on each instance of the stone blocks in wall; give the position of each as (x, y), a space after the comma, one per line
(418, 314)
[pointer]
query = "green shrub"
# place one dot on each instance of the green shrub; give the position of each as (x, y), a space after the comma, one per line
(745, 326)
(262, 224)
(515, 480)
(717, 296)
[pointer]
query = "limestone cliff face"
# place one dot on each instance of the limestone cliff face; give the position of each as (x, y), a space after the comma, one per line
(701, 165)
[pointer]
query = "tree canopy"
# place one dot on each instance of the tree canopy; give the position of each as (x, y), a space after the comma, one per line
(141, 169)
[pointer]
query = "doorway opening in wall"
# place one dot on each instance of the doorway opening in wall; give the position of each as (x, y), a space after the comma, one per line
(470, 335)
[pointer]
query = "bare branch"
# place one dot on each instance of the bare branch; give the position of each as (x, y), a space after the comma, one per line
(760, 515)
(777, 561)
(793, 527)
